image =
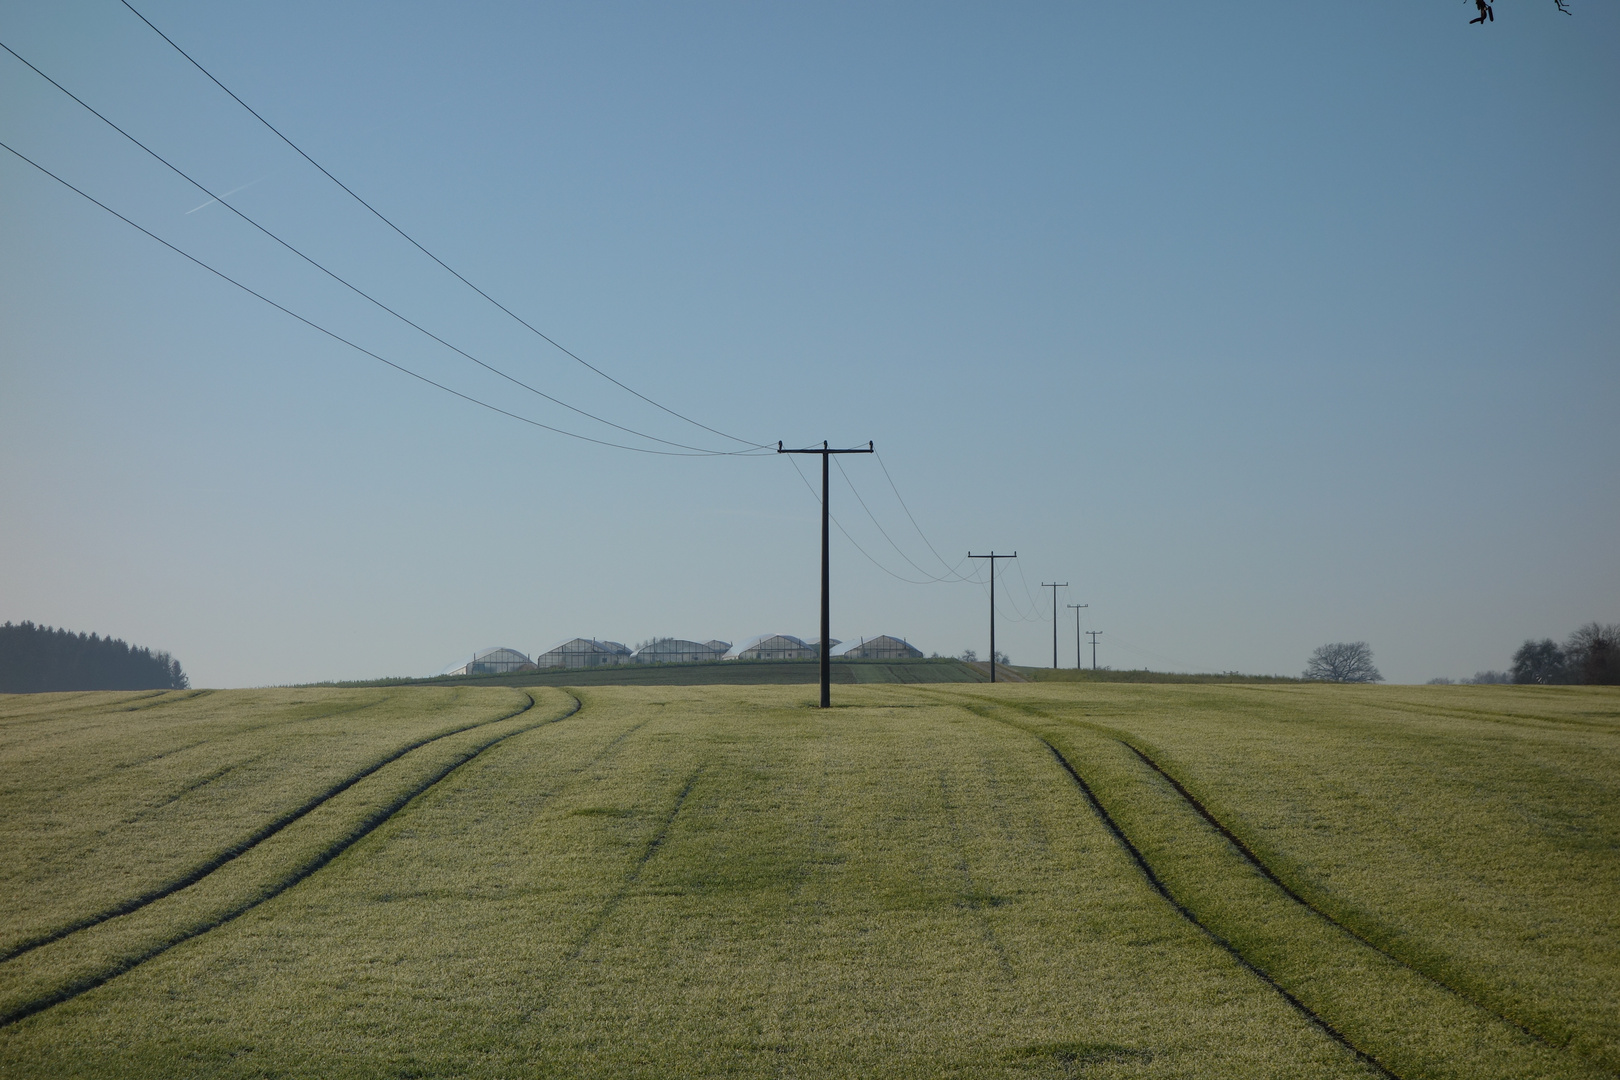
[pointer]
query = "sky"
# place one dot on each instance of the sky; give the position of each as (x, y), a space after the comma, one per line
(1261, 325)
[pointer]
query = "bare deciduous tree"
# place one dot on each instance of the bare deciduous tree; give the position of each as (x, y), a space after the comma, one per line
(1592, 654)
(1487, 15)
(1343, 661)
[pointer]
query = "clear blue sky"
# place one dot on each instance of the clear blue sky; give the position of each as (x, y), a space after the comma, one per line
(1263, 325)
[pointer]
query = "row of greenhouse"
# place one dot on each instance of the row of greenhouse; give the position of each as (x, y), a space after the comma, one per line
(590, 652)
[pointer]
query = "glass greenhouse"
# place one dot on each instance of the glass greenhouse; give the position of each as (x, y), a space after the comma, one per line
(679, 651)
(882, 647)
(582, 652)
(495, 661)
(776, 647)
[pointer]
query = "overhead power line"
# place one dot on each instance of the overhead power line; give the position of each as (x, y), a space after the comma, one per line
(1008, 608)
(1001, 602)
(932, 578)
(1029, 594)
(949, 568)
(840, 526)
(418, 246)
(332, 334)
(350, 285)
(970, 579)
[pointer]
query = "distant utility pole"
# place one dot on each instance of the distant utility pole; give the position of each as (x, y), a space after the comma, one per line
(1077, 608)
(1095, 634)
(993, 557)
(826, 618)
(1054, 586)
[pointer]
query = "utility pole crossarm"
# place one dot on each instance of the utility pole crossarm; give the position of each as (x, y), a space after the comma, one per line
(823, 649)
(992, 557)
(824, 449)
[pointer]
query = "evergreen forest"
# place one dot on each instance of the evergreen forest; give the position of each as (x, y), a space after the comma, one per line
(35, 659)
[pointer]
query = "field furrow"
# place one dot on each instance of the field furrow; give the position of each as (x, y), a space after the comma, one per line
(74, 964)
(103, 814)
(1407, 1015)
(195, 873)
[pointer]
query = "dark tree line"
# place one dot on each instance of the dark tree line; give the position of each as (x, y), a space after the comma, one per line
(1590, 656)
(35, 659)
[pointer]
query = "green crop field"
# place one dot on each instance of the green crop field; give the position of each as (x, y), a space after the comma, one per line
(1047, 879)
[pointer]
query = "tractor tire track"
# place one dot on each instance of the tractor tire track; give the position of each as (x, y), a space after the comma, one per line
(246, 844)
(1260, 865)
(247, 729)
(1159, 887)
(361, 829)
(1255, 861)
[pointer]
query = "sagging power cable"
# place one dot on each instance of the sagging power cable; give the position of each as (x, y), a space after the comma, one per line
(344, 281)
(332, 334)
(1034, 605)
(1017, 614)
(933, 579)
(949, 568)
(416, 244)
(853, 542)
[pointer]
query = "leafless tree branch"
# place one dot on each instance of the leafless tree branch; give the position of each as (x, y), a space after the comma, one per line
(1486, 14)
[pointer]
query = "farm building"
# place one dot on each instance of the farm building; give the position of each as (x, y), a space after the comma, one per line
(496, 661)
(775, 647)
(582, 652)
(882, 647)
(679, 651)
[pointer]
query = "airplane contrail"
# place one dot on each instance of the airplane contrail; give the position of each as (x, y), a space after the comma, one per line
(227, 195)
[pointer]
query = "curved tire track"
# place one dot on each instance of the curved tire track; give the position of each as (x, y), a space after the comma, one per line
(1181, 909)
(361, 829)
(1255, 861)
(243, 846)
(1260, 865)
(1158, 886)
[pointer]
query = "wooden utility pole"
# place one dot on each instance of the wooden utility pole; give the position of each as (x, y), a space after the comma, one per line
(826, 606)
(1077, 607)
(1054, 586)
(993, 557)
(1094, 635)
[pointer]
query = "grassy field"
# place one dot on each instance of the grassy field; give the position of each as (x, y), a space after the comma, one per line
(1021, 880)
